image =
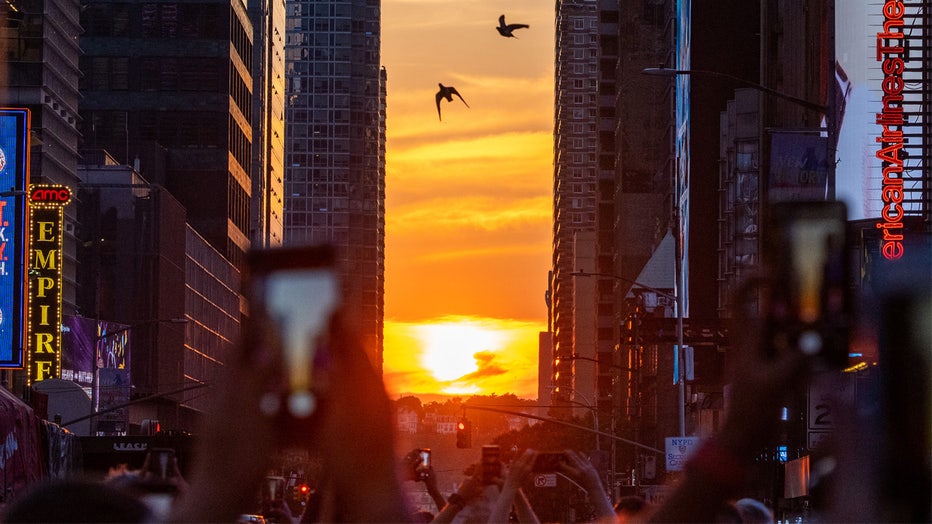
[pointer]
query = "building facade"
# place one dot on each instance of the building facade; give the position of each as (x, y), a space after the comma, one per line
(612, 206)
(39, 42)
(846, 118)
(179, 75)
(575, 182)
(643, 253)
(335, 151)
(175, 298)
(267, 213)
(169, 92)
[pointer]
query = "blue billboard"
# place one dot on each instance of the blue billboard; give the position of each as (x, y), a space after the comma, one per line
(14, 179)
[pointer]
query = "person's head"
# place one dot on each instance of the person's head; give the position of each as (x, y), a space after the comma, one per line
(753, 511)
(628, 506)
(77, 501)
(727, 514)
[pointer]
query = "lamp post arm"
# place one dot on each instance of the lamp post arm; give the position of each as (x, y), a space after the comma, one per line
(667, 294)
(136, 401)
(660, 71)
(577, 426)
(616, 366)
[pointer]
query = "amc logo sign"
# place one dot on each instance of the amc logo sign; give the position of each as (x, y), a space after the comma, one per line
(50, 194)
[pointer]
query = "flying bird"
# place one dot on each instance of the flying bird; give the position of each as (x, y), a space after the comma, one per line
(506, 30)
(447, 92)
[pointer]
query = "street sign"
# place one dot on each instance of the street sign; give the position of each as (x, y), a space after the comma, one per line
(678, 449)
(827, 396)
(654, 494)
(545, 480)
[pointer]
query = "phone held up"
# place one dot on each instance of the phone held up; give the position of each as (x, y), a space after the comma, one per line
(808, 306)
(548, 462)
(491, 464)
(273, 489)
(422, 464)
(294, 292)
(161, 462)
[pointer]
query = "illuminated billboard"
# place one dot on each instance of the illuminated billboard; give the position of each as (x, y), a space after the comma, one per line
(14, 177)
(46, 232)
(879, 75)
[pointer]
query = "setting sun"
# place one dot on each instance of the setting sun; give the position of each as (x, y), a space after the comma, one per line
(450, 348)
(458, 355)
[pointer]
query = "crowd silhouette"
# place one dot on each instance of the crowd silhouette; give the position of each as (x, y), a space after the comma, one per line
(362, 480)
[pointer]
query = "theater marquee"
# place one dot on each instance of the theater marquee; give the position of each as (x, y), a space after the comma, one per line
(46, 217)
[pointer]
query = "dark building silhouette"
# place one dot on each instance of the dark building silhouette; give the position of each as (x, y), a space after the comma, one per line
(169, 93)
(176, 295)
(642, 232)
(178, 74)
(38, 39)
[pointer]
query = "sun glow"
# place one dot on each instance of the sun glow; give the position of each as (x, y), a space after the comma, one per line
(459, 355)
(450, 348)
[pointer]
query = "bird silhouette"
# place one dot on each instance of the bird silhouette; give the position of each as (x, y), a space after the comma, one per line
(447, 92)
(506, 30)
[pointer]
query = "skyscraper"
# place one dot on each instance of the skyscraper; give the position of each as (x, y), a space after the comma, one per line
(38, 39)
(180, 75)
(267, 214)
(576, 176)
(168, 89)
(335, 151)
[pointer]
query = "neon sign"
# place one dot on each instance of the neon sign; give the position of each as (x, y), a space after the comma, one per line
(891, 55)
(45, 280)
(60, 195)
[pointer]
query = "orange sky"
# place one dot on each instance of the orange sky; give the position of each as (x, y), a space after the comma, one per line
(469, 198)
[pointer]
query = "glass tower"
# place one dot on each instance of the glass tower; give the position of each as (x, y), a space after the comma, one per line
(335, 147)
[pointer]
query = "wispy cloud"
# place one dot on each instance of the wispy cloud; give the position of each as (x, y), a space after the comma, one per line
(479, 212)
(487, 368)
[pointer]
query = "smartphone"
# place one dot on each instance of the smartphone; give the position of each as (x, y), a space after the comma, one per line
(273, 489)
(548, 462)
(808, 306)
(491, 463)
(162, 462)
(294, 293)
(422, 466)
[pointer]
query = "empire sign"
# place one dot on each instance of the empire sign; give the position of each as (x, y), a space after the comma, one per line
(46, 211)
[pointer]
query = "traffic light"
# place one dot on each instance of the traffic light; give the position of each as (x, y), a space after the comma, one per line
(464, 433)
(300, 493)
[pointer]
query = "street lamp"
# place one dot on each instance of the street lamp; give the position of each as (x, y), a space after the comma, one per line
(596, 429)
(677, 297)
(577, 356)
(587, 404)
